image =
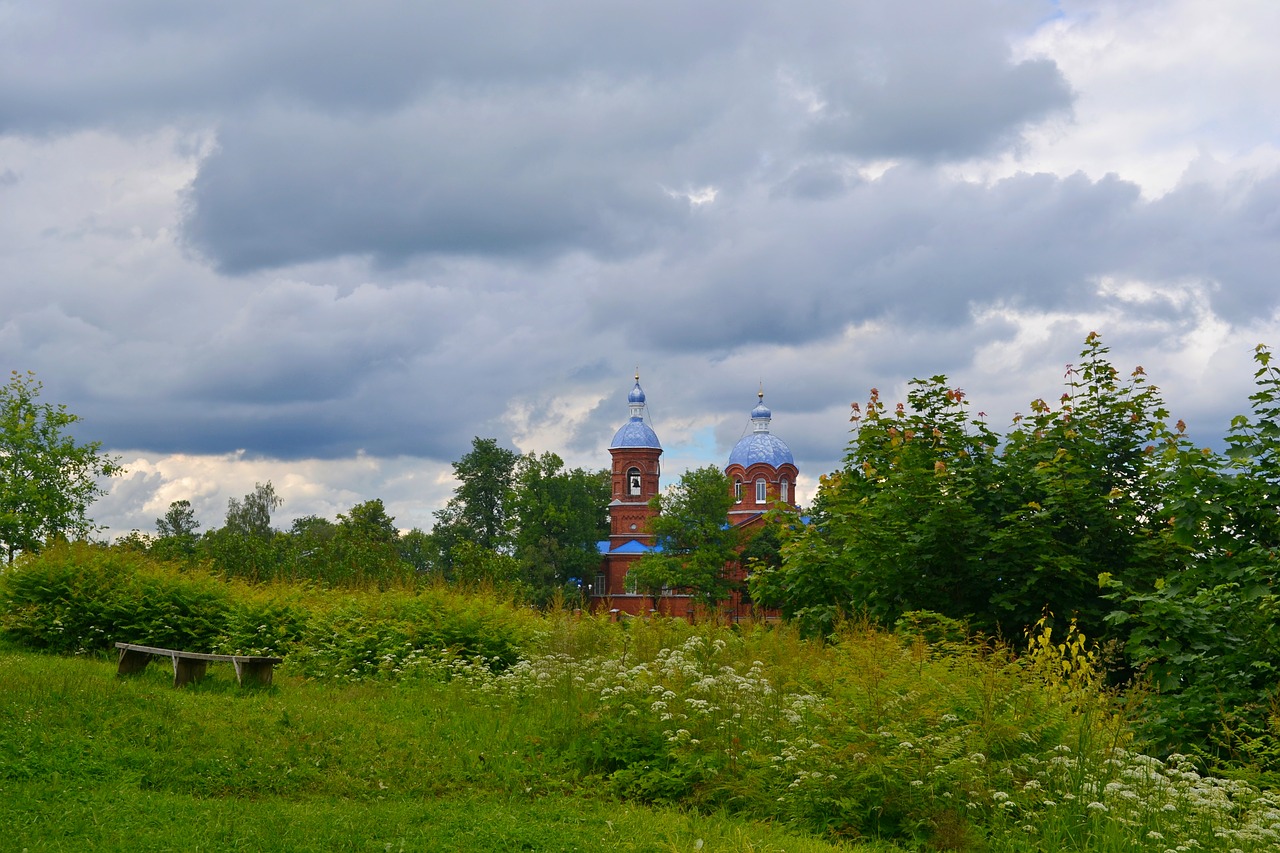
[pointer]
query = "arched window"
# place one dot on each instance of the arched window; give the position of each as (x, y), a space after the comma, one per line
(737, 490)
(760, 494)
(782, 490)
(633, 481)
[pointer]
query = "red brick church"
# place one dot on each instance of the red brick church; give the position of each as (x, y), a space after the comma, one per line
(762, 472)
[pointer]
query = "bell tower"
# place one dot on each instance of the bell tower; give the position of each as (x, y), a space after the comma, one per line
(637, 469)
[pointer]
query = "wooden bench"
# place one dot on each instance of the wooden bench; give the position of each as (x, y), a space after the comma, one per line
(190, 666)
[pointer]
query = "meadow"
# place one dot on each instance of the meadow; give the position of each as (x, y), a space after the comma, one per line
(430, 719)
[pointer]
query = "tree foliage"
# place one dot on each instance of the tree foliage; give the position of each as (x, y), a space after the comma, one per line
(366, 546)
(246, 544)
(1208, 634)
(477, 512)
(47, 479)
(176, 537)
(1093, 509)
(557, 517)
(522, 520)
(694, 543)
(935, 511)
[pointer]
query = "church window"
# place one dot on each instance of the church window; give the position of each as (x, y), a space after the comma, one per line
(737, 491)
(782, 490)
(760, 494)
(633, 481)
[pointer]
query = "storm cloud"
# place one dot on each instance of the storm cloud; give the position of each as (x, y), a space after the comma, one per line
(327, 246)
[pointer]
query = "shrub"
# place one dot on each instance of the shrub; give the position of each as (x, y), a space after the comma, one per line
(75, 598)
(388, 634)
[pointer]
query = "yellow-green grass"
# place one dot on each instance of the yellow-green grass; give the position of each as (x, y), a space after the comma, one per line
(92, 762)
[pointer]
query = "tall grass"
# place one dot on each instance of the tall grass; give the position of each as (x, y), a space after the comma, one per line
(92, 762)
(396, 698)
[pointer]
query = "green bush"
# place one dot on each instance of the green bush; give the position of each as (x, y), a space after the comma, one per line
(392, 634)
(267, 619)
(75, 598)
(79, 598)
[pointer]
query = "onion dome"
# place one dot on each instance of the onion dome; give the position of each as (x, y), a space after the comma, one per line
(635, 432)
(761, 445)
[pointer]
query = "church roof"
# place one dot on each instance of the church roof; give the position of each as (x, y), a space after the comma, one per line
(760, 445)
(635, 432)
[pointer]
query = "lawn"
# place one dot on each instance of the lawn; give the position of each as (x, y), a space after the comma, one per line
(90, 762)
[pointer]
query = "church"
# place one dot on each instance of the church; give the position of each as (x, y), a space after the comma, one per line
(762, 473)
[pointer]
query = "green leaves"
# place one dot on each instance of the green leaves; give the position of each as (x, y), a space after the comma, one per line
(694, 541)
(935, 511)
(1093, 508)
(47, 479)
(557, 517)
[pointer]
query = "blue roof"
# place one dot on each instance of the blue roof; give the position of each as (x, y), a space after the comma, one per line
(635, 433)
(632, 546)
(636, 395)
(761, 447)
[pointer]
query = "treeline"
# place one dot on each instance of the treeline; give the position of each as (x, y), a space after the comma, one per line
(524, 524)
(1093, 509)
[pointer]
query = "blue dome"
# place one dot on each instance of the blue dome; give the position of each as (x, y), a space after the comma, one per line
(635, 433)
(761, 411)
(760, 447)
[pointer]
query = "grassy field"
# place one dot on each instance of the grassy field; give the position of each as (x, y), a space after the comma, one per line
(92, 762)
(436, 719)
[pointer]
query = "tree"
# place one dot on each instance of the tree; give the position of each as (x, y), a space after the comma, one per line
(366, 546)
(252, 516)
(416, 550)
(245, 545)
(901, 525)
(557, 517)
(934, 511)
(47, 479)
(694, 543)
(179, 521)
(1089, 492)
(310, 541)
(1207, 632)
(176, 532)
(478, 510)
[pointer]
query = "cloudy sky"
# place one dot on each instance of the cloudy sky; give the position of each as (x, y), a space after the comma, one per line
(326, 244)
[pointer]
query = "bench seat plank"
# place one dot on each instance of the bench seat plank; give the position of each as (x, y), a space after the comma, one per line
(190, 666)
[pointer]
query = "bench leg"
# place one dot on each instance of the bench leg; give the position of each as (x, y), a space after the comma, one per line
(258, 673)
(186, 671)
(132, 661)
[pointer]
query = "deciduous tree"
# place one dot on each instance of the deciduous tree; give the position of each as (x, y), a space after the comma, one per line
(694, 542)
(557, 516)
(477, 512)
(935, 511)
(365, 547)
(47, 478)
(176, 535)
(245, 545)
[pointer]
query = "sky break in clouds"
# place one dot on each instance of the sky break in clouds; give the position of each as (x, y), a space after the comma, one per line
(326, 246)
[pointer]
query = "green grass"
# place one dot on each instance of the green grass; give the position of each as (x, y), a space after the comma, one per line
(92, 762)
(648, 735)
(125, 818)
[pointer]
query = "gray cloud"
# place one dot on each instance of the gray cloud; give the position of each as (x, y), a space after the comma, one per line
(511, 129)
(363, 236)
